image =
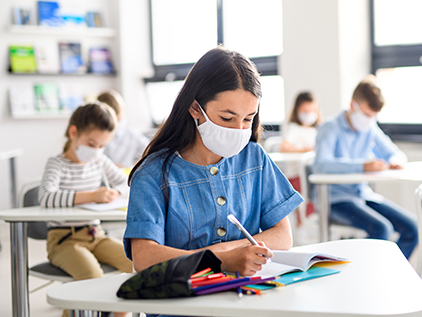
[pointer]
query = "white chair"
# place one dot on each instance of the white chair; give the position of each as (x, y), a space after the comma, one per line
(418, 196)
(273, 144)
(38, 231)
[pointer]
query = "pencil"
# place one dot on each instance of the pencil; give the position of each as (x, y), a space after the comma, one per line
(106, 183)
(239, 289)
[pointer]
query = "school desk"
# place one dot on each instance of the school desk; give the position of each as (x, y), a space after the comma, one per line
(412, 172)
(302, 159)
(19, 242)
(378, 281)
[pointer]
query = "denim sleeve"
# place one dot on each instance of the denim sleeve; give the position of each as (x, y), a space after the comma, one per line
(146, 211)
(326, 147)
(279, 198)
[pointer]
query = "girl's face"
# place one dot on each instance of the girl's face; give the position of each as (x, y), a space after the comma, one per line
(95, 138)
(308, 106)
(233, 109)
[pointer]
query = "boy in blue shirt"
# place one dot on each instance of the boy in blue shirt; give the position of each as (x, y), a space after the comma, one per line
(353, 143)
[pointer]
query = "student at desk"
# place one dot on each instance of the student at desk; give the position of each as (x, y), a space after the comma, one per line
(353, 143)
(73, 178)
(204, 164)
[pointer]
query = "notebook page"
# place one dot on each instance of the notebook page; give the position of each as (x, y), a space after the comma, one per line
(116, 204)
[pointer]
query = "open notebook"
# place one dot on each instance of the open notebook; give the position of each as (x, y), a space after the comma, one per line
(119, 203)
(289, 261)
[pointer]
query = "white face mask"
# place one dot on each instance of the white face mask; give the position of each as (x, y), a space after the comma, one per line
(87, 154)
(360, 121)
(225, 142)
(307, 118)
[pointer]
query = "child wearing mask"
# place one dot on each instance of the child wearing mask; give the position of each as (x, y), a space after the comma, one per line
(300, 132)
(203, 164)
(127, 145)
(299, 137)
(74, 177)
(353, 143)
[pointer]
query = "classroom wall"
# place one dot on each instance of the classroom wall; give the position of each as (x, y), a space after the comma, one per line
(42, 138)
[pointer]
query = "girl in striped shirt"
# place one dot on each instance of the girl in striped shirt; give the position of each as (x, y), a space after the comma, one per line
(74, 177)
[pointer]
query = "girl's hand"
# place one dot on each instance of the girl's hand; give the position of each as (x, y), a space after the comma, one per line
(247, 259)
(105, 195)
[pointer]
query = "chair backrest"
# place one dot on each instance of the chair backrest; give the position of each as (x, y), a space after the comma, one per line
(29, 197)
(418, 196)
(273, 144)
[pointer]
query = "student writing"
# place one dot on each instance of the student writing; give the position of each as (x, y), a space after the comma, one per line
(74, 177)
(353, 143)
(203, 164)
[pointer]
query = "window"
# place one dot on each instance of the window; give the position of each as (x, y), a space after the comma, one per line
(183, 30)
(396, 62)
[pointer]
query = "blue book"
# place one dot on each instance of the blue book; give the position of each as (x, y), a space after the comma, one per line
(313, 272)
(71, 58)
(49, 13)
(100, 61)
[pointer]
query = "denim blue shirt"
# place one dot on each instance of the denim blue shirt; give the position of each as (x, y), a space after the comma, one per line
(339, 149)
(248, 185)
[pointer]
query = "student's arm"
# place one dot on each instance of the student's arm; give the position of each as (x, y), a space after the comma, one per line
(115, 176)
(388, 150)
(328, 141)
(247, 259)
(287, 147)
(50, 195)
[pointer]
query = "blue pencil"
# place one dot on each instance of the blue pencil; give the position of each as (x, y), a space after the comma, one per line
(239, 289)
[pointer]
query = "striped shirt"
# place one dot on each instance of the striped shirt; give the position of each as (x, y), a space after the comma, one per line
(63, 178)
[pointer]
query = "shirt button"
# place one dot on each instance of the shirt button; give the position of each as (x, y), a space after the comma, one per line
(221, 200)
(221, 232)
(214, 171)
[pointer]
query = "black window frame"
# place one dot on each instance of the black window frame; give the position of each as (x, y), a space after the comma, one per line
(390, 56)
(267, 66)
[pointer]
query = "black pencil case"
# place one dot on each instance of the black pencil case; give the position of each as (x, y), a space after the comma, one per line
(169, 279)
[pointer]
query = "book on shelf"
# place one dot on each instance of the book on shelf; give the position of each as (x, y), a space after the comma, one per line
(22, 15)
(290, 261)
(49, 14)
(100, 61)
(95, 19)
(22, 59)
(72, 16)
(47, 57)
(47, 97)
(21, 100)
(71, 96)
(71, 58)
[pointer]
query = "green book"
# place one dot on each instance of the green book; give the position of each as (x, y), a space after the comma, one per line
(22, 59)
(47, 97)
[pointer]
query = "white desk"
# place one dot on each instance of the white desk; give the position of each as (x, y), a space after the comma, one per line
(379, 281)
(19, 242)
(412, 172)
(302, 159)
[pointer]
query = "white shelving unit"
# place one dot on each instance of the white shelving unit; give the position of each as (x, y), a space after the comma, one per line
(65, 31)
(85, 34)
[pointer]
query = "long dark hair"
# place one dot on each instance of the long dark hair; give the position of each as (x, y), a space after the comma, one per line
(217, 71)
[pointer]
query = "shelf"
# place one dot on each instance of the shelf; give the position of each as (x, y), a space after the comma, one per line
(45, 30)
(35, 115)
(64, 74)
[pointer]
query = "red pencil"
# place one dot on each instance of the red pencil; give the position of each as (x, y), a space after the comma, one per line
(201, 272)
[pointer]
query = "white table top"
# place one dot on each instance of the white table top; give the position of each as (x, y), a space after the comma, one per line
(412, 172)
(290, 157)
(8, 154)
(379, 281)
(38, 213)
